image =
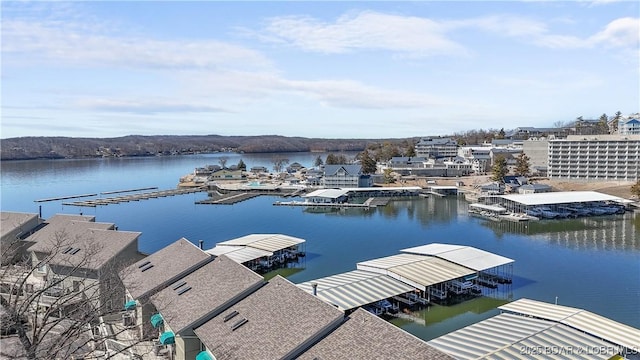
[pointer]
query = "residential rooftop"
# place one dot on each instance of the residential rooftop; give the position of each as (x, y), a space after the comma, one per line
(165, 266)
(204, 293)
(365, 336)
(11, 221)
(279, 319)
(91, 249)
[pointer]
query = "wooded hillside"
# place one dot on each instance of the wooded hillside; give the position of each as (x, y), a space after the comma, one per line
(24, 148)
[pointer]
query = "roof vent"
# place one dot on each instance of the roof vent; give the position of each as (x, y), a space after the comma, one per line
(184, 290)
(181, 284)
(144, 264)
(146, 267)
(230, 315)
(238, 324)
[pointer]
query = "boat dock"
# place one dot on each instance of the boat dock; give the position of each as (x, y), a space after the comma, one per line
(230, 199)
(133, 197)
(369, 203)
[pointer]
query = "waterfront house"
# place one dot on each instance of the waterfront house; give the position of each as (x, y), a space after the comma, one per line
(227, 174)
(534, 188)
(345, 176)
(154, 273)
(277, 321)
(15, 227)
(83, 257)
(196, 298)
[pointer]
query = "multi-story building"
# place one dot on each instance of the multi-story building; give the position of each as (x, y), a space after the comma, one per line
(629, 127)
(537, 149)
(436, 147)
(345, 176)
(603, 157)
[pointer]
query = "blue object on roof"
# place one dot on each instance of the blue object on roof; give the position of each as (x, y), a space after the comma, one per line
(156, 320)
(205, 355)
(130, 305)
(167, 337)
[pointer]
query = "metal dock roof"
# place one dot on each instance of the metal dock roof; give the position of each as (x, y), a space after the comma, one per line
(416, 270)
(355, 288)
(467, 256)
(267, 242)
(607, 329)
(239, 254)
(560, 197)
(509, 336)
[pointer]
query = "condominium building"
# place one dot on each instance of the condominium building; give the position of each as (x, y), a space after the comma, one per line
(606, 157)
(436, 147)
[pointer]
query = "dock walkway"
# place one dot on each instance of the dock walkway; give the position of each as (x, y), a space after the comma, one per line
(134, 197)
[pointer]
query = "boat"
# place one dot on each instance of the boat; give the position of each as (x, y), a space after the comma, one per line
(548, 213)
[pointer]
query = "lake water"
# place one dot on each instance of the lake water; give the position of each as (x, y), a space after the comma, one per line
(591, 263)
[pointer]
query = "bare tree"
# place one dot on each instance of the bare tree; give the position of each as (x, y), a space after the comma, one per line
(279, 163)
(223, 161)
(54, 304)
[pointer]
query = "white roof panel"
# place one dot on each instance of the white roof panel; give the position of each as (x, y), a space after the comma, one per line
(267, 242)
(247, 254)
(467, 256)
(327, 193)
(505, 335)
(539, 309)
(607, 329)
(488, 207)
(356, 288)
(484, 337)
(560, 197)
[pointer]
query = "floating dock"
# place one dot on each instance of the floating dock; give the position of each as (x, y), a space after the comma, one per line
(134, 197)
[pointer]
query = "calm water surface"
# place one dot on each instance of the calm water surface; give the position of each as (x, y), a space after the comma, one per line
(590, 263)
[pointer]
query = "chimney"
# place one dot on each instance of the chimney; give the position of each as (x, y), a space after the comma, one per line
(315, 289)
(201, 244)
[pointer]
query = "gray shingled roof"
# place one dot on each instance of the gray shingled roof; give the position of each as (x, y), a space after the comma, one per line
(204, 293)
(365, 336)
(90, 249)
(59, 232)
(330, 170)
(169, 264)
(10, 221)
(282, 320)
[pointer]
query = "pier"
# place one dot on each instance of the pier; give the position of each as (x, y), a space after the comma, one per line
(133, 197)
(65, 197)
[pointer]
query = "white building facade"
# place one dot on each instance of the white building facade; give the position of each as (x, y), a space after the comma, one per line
(602, 157)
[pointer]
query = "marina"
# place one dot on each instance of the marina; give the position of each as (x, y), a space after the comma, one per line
(336, 240)
(420, 276)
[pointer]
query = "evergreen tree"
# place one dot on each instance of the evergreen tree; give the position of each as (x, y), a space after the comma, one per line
(333, 159)
(501, 134)
(318, 162)
(241, 165)
(499, 168)
(368, 163)
(603, 124)
(388, 176)
(522, 165)
(411, 150)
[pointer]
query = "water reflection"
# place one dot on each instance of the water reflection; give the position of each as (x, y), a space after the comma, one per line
(616, 232)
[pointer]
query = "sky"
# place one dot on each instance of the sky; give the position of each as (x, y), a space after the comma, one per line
(330, 69)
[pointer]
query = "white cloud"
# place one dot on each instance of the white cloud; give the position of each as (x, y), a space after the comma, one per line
(53, 40)
(364, 31)
(149, 106)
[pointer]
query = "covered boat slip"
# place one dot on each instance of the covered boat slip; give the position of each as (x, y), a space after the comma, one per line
(509, 336)
(582, 320)
(487, 264)
(520, 203)
(260, 251)
(355, 288)
(430, 275)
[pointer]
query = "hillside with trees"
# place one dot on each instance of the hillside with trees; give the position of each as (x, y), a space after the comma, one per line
(25, 148)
